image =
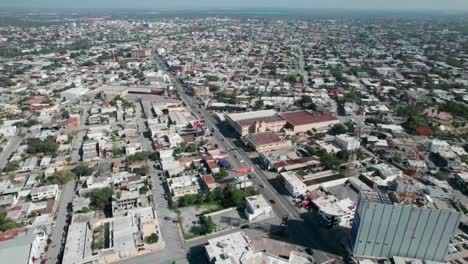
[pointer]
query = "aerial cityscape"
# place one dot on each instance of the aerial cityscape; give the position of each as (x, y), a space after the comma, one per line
(233, 136)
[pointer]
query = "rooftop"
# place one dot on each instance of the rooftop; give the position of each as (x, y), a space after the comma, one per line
(263, 138)
(298, 118)
(252, 115)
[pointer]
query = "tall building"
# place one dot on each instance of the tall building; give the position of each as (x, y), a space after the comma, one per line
(407, 226)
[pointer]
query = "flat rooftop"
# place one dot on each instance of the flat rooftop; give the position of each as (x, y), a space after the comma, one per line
(298, 118)
(252, 115)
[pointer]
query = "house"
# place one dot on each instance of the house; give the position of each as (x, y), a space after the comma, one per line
(256, 206)
(293, 184)
(209, 182)
(8, 131)
(347, 142)
(44, 192)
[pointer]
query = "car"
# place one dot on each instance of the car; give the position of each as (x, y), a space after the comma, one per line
(272, 201)
(167, 218)
(261, 186)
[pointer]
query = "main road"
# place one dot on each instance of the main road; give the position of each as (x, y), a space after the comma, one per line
(306, 232)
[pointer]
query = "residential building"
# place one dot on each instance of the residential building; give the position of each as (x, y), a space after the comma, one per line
(44, 192)
(335, 212)
(125, 201)
(293, 184)
(347, 142)
(256, 206)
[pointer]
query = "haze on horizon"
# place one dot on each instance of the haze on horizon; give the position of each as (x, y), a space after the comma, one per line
(461, 5)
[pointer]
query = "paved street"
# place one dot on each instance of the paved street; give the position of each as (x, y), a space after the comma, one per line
(308, 233)
(58, 233)
(174, 250)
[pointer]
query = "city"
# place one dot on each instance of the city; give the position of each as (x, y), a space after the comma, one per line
(233, 137)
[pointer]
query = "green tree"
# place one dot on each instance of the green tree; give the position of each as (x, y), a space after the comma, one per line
(48, 146)
(11, 166)
(207, 224)
(337, 129)
(61, 177)
(152, 239)
(5, 223)
(221, 174)
(100, 198)
(82, 170)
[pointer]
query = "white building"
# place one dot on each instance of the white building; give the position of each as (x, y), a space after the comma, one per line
(229, 249)
(25, 248)
(334, 212)
(73, 93)
(347, 142)
(78, 247)
(44, 192)
(293, 184)
(183, 185)
(8, 131)
(257, 206)
(29, 164)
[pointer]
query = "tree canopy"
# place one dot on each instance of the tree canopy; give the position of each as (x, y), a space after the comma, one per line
(152, 239)
(61, 177)
(100, 198)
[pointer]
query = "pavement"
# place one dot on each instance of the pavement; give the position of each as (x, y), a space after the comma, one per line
(58, 231)
(301, 227)
(174, 250)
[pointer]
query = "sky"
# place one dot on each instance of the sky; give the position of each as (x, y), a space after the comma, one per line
(460, 5)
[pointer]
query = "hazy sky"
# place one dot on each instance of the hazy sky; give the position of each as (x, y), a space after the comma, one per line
(187, 4)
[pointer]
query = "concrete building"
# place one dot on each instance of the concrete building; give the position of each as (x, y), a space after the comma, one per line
(23, 247)
(255, 122)
(8, 131)
(180, 186)
(29, 164)
(402, 226)
(141, 53)
(264, 141)
(89, 150)
(346, 142)
(293, 184)
(256, 206)
(303, 121)
(44, 192)
(335, 212)
(127, 200)
(78, 248)
(73, 93)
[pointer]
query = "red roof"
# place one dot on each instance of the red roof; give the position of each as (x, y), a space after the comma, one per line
(302, 118)
(37, 100)
(208, 179)
(72, 120)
